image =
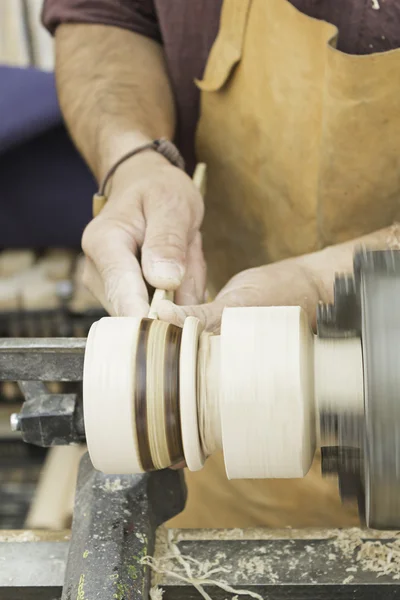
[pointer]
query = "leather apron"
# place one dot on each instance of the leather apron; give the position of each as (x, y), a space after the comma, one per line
(302, 144)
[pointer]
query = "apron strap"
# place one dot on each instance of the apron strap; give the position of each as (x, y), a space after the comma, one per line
(226, 51)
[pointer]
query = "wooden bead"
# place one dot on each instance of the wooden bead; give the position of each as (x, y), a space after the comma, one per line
(157, 408)
(57, 264)
(15, 262)
(39, 295)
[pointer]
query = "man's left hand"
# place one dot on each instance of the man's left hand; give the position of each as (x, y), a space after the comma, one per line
(291, 282)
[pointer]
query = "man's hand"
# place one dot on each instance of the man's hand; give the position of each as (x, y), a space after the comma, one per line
(115, 95)
(302, 281)
(290, 282)
(148, 228)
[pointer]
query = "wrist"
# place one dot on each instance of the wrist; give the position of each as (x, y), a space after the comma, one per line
(148, 161)
(119, 145)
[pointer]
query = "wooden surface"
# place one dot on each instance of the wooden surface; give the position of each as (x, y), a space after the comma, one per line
(53, 502)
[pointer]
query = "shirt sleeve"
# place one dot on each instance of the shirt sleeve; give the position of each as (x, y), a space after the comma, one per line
(136, 15)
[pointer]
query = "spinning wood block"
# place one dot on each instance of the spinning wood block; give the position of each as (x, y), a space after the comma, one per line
(156, 394)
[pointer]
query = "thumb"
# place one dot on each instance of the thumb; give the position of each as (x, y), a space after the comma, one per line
(164, 250)
(208, 314)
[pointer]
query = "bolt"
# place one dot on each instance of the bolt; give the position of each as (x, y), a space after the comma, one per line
(15, 422)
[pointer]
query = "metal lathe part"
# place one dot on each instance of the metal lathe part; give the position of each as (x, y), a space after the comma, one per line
(380, 294)
(42, 359)
(114, 528)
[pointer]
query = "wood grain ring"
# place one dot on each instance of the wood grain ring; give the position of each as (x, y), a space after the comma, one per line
(157, 395)
(171, 394)
(141, 367)
(194, 456)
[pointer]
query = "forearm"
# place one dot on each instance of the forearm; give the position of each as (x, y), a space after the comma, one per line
(113, 89)
(323, 265)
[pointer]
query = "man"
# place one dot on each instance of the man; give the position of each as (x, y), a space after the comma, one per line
(300, 129)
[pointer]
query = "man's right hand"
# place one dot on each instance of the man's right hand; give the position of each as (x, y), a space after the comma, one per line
(148, 229)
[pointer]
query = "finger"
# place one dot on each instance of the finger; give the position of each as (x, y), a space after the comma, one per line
(113, 255)
(192, 290)
(208, 314)
(237, 292)
(165, 247)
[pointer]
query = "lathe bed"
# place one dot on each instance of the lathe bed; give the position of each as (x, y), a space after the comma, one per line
(114, 528)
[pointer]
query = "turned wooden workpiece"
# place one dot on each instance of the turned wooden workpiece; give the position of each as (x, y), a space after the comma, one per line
(156, 394)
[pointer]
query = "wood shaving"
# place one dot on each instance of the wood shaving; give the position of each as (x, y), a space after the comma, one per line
(156, 593)
(256, 533)
(255, 565)
(365, 550)
(112, 485)
(189, 570)
(25, 536)
(382, 558)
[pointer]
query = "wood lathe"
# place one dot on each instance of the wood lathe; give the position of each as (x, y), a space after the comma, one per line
(267, 391)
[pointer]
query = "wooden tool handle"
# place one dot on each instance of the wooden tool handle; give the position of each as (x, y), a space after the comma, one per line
(200, 178)
(158, 296)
